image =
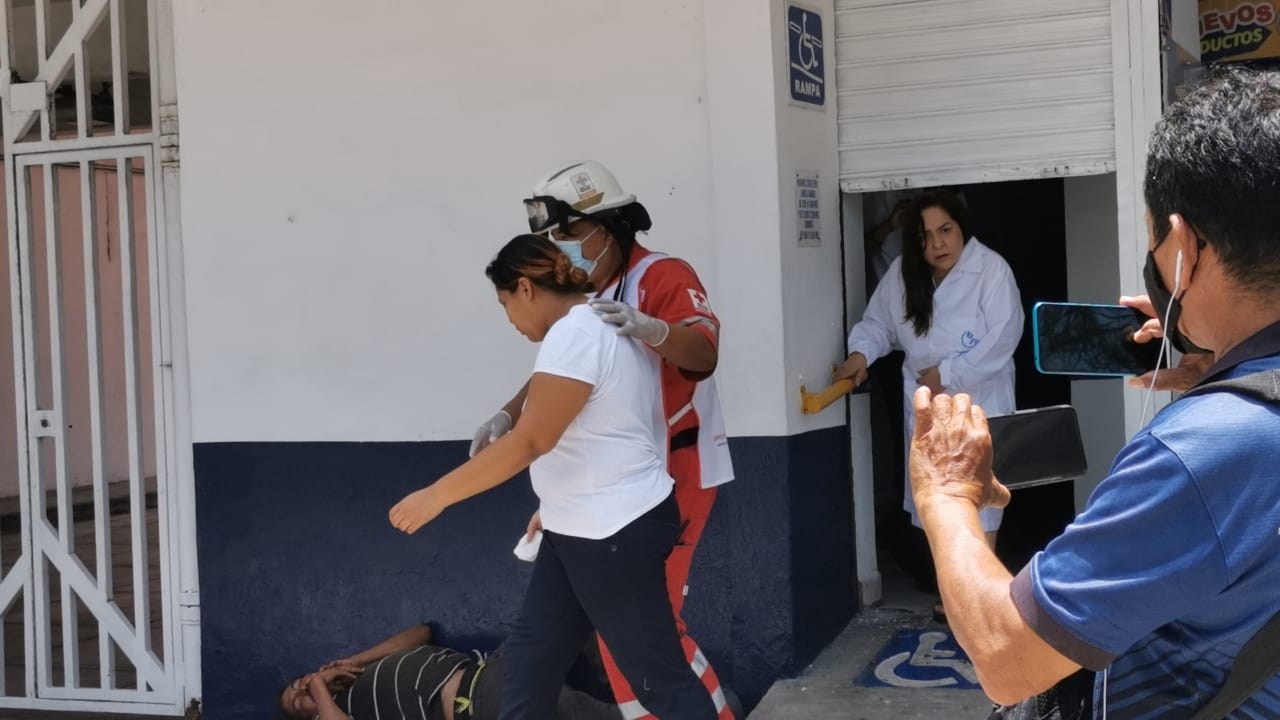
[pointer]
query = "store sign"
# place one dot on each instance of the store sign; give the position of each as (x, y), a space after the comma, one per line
(1238, 30)
(808, 74)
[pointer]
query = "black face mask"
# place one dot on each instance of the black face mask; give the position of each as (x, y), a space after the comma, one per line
(1167, 306)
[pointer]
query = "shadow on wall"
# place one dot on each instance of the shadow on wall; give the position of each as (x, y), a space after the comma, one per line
(298, 564)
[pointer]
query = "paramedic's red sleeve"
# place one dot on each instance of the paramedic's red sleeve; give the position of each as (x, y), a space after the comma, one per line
(670, 290)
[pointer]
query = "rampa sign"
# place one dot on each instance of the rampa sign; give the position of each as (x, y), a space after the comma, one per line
(807, 76)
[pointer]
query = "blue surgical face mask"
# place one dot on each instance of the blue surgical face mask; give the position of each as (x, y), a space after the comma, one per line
(573, 248)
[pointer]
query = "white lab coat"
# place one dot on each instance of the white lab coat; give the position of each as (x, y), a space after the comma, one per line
(977, 323)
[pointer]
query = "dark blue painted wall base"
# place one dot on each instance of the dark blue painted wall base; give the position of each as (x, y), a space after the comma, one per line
(298, 564)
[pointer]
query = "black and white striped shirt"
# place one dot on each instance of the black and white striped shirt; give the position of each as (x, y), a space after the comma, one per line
(403, 686)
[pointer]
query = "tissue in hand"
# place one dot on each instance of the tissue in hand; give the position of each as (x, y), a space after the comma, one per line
(527, 549)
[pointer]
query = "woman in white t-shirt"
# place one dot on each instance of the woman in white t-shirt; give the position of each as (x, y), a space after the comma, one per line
(588, 436)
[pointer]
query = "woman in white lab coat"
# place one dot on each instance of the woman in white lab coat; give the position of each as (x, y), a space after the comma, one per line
(951, 305)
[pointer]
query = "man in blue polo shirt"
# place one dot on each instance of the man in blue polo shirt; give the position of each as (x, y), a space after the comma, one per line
(1175, 562)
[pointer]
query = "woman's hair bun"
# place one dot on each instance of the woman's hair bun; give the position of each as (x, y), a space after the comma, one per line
(579, 279)
(539, 260)
(562, 270)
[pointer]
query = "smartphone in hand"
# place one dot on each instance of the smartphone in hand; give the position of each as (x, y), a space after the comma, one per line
(1090, 340)
(1037, 447)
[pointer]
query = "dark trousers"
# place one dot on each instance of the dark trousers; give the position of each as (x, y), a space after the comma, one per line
(618, 587)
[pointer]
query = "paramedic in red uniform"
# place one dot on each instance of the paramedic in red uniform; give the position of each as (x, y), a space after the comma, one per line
(659, 300)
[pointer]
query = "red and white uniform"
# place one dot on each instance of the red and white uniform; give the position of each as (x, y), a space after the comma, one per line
(667, 288)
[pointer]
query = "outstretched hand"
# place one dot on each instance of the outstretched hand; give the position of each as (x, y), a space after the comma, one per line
(417, 509)
(951, 452)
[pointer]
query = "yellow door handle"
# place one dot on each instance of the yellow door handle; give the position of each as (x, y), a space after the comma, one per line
(813, 403)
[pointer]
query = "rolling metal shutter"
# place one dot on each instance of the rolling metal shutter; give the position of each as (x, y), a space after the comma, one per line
(936, 92)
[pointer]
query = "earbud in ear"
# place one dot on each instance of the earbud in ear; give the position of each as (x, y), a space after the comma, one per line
(1177, 273)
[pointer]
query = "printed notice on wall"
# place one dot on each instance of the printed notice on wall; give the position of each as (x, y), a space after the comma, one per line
(808, 223)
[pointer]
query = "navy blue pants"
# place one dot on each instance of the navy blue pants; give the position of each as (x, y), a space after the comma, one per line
(618, 587)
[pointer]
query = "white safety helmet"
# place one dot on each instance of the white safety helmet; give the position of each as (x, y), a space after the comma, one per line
(580, 190)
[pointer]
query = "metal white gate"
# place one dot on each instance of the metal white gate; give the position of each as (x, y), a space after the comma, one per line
(97, 582)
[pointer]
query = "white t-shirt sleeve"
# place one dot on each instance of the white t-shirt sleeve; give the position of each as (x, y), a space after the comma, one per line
(572, 351)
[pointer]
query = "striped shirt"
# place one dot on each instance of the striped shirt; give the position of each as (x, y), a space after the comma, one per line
(404, 685)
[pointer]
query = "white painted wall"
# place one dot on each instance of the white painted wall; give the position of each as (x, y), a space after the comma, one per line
(1135, 34)
(1107, 232)
(348, 170)
(745, 215)
(866, 561)
(812, 277)
(1093, 276)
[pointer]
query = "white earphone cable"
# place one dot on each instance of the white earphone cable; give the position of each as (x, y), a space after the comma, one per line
(1164, 342)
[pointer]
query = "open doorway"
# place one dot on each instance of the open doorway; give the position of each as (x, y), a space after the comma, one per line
(1025, 222)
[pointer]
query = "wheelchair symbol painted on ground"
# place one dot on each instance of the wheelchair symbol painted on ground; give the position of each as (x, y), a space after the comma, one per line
(921, 659)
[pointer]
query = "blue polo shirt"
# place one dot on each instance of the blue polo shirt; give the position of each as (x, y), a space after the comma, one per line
(1174, 563)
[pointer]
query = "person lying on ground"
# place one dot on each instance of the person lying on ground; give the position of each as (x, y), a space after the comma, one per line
(405, 675)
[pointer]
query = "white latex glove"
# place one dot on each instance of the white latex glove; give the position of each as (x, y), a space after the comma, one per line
(493, 428)
(632, 322)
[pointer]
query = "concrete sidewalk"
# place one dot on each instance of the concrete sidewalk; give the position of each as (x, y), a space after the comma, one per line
(827, 688)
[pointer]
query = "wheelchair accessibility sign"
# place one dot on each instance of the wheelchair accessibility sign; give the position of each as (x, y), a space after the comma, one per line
(808, 75)
(921, 659)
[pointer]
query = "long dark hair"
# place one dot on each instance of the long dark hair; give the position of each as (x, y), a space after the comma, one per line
(917, 276)
(538, 259)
